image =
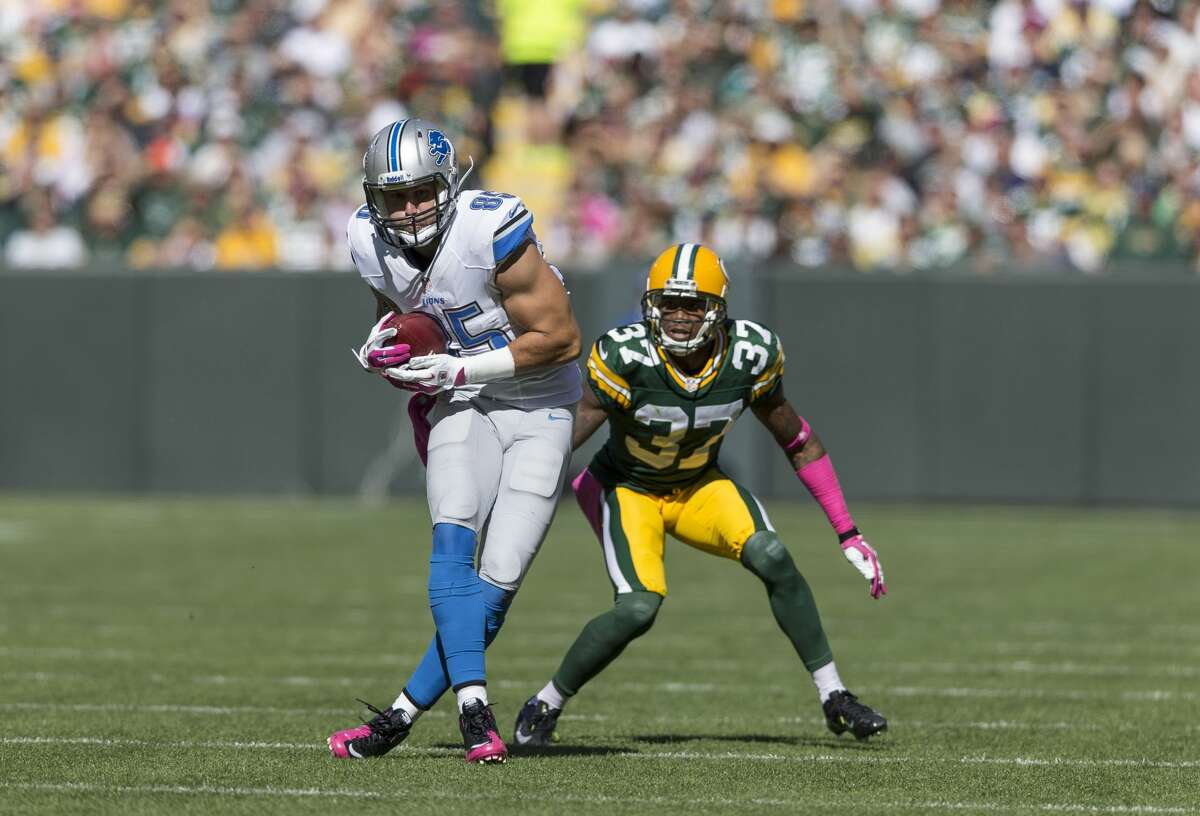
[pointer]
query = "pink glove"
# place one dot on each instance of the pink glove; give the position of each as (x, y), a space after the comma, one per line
(862, 555)
(389, 356)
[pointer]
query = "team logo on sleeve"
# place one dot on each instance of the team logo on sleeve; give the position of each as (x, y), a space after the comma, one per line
(439, 147)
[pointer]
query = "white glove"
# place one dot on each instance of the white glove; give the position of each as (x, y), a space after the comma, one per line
(864, 558)
(430, 374)
(434, 373)
(377, 339)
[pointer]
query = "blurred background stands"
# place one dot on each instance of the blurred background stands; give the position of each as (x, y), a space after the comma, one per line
(883, 134)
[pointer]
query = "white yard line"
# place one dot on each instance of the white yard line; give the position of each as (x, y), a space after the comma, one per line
(1065, 667)
(112, 742)
(349, 710)
(967, 667)
(77, 653)
(709, 756)
(669, 687)
(1103, 632)
(563, 797)
(210, 710)
(171, 708)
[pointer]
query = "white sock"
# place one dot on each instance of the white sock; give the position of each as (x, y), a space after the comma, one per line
(827, 680)
(551, 696)
(467, 693)
(404, 703)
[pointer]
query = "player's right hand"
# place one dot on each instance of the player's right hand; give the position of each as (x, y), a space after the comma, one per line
(864, 558)
(376, 341)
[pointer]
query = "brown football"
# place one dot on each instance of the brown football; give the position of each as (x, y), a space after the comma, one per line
(420, 331)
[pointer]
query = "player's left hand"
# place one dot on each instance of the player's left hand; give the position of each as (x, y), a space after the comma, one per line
(430, 374)
(864, 558)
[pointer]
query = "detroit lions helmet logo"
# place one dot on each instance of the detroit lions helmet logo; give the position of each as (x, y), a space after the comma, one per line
(439, 146)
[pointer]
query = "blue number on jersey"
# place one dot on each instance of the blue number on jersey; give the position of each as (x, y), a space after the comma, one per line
(488, 200)
(457, 319)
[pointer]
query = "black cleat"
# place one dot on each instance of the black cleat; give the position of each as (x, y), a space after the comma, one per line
(843, 712)
(535, 724)
(384, 732)
(480, 737)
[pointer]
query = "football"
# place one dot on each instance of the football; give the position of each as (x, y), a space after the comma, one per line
(420, 331)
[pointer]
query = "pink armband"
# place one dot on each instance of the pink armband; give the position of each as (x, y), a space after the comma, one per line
(802, 437)
(821, 480)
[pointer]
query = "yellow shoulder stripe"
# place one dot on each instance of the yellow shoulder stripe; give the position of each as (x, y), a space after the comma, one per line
(608, 381)
(768, 377)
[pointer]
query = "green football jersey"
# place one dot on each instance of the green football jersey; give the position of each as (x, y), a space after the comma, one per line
(665, 427)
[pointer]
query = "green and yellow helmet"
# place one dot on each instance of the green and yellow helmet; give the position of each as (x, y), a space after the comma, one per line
(686, 271)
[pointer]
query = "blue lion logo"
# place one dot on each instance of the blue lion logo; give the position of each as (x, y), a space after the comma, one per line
(439, 147)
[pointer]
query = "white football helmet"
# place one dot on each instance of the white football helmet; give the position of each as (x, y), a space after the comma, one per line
(410, 153)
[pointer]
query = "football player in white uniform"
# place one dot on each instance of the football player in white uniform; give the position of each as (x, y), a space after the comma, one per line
(494, 414)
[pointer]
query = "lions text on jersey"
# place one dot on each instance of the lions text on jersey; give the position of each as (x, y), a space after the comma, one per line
(459, 290)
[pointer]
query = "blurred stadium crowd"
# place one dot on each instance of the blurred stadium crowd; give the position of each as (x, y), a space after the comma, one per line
(882, 134)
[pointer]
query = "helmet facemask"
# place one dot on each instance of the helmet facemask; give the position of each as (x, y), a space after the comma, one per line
(652, 311)
(411, 230)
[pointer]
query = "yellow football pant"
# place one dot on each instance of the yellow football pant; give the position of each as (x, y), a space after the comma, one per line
(715, 515)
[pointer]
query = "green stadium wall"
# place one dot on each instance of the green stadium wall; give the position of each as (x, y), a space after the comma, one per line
(1005, 389)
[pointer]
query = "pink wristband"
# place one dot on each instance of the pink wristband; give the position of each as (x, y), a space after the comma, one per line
(802, 437)
(822, 482)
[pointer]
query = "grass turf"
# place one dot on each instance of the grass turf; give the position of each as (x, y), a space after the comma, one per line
(191, 657)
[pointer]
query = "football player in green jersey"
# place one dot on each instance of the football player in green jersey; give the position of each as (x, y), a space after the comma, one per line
(670, 387)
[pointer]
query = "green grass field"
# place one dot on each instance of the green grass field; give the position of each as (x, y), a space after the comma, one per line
(191, 657)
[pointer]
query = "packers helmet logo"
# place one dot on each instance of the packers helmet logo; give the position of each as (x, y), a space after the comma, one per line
(439, 146)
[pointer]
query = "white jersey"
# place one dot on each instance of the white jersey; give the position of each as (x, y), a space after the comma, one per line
(459, 290)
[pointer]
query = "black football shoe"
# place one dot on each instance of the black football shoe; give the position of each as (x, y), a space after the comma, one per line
(843, 712)
(384, 732)
(535, 724)
(479, 733)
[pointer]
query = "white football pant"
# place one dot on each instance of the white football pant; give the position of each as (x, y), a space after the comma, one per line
(500, 468)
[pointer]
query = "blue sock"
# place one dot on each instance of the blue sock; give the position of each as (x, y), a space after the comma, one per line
(431, 680)
(457, 603)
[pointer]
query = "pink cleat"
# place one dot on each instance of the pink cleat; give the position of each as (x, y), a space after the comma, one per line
(388, 729)
(480, 737)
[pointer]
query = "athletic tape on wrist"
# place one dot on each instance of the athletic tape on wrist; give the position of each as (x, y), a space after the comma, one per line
(497, 364)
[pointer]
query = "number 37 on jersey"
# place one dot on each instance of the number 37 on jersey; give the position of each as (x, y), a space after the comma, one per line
(667, 425)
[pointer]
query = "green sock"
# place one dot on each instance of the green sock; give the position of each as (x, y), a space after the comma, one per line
(605, 637)
(791, 599)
